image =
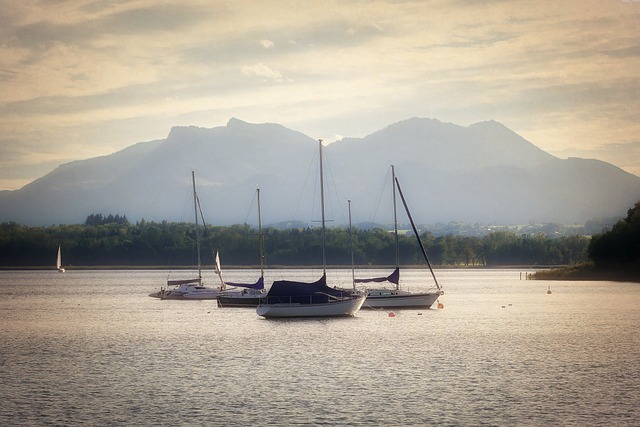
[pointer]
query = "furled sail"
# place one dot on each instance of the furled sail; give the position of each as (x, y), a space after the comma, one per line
(258, 285)
(393, 278)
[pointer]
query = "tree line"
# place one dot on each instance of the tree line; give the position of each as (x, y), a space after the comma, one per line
(101, 242)
(620, 246)
(613, 254)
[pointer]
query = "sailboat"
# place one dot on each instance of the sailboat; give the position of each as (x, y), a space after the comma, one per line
(191, 288)
(252, 293)
(300, 299)
(59, 262)
(394, 297)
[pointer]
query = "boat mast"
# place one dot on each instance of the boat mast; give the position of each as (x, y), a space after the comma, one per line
(353, 272)
(260, 237)
(415, 231)
(395, 220)
(195, 208)
(324, 258)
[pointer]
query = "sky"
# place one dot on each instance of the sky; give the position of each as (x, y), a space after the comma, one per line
(86, 78)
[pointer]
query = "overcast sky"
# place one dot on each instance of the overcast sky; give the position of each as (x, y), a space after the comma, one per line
(81, 79)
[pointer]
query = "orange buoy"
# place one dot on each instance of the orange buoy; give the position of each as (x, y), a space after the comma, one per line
(392, 314)
(440, 306)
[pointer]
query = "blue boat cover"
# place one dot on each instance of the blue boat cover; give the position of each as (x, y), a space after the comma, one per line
(258, 285)
(393, 278)
(286, 291)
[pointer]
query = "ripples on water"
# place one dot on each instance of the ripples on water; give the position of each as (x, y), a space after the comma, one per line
(90, 347)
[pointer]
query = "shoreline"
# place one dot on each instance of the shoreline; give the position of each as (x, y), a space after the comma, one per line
(590, 272)
(579, 272)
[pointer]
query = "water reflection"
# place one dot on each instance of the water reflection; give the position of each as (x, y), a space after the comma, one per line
(92, 347)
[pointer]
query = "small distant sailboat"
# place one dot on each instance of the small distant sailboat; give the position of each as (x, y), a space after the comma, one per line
(301, 299)
(59, 262)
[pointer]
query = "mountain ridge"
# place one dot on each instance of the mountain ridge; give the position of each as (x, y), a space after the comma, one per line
(482, 173)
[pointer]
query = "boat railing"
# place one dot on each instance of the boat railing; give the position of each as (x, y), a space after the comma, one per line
(317, 298)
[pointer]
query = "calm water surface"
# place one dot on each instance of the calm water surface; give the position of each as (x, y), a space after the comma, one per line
(91, 348)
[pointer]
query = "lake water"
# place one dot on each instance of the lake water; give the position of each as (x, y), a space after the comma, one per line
(91, 348)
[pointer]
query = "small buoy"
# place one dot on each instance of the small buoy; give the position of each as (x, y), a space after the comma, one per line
(440, 306)
(392, 314)
(549, 289)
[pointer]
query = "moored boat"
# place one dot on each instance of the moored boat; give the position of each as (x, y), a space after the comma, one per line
(399, 298)
(192, 288)
(301, 299)
(251, 294)
(393, 296)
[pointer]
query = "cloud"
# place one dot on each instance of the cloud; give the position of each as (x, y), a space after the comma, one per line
(91, 77)
(70, 26)
(261, 70)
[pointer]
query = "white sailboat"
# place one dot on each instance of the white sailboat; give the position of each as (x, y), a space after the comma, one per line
(394, 297)
(299, 299)
(59, 262)
(251, 294)
(192, 288)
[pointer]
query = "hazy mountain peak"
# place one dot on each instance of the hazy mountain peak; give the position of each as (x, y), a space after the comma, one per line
(183, 133)
(494, 128)
(415, 123)
(488, 123)
(235, 122)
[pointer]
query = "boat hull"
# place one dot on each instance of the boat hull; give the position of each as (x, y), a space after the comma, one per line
(214, 294)
(345, 308)
(400, 299)
(240, 301)
(187, 293)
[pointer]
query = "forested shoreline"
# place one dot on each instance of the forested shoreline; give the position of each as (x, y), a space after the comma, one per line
(614, 254)
(113, 241)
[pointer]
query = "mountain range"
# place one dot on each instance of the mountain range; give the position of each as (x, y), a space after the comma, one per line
(484, 173)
